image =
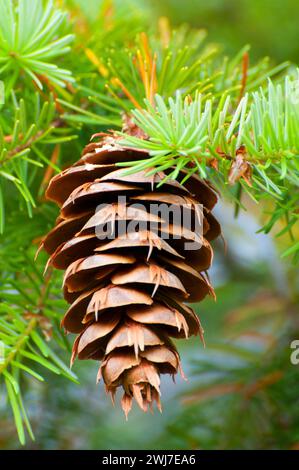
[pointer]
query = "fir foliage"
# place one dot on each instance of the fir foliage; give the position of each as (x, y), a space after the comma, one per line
(28, 35)
(254, 143)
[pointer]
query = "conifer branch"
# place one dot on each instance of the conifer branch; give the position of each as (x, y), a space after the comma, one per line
(34, 139)
(256, 145)
(19, 345)
(28, 34)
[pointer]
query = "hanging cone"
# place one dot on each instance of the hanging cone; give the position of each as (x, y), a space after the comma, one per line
(128, 289)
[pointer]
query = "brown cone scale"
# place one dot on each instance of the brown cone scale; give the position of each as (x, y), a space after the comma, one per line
(128, 292)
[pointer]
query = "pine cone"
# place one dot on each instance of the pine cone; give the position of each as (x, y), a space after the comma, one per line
(127, 291)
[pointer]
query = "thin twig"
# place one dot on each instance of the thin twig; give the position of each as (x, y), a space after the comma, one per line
(12, 153)
(22, 339)
(245, 65)
(29, 328)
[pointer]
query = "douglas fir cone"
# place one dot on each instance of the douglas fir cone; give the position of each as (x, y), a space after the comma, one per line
(127, 292)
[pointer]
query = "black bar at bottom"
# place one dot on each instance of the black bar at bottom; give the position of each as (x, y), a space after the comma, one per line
(147, 458)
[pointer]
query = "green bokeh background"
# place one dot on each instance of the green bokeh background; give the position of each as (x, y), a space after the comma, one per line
(269, 26)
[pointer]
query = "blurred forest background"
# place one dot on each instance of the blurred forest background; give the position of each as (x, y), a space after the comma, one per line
(242, 390)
